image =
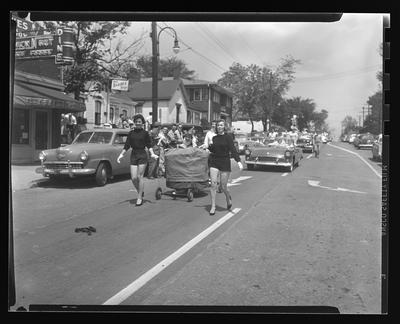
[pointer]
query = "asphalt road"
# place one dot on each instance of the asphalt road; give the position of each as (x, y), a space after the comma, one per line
(307, 238)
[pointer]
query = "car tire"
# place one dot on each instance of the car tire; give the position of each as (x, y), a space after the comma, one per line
(250, 166)
(101, 174)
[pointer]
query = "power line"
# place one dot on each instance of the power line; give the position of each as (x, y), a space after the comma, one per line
(209, 33)
(337, 75)
(189, 47)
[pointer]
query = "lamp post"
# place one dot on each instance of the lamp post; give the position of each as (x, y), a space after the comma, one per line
(156, 53)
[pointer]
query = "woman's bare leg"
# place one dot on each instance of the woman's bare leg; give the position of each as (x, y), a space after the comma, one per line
(224, 186)
(140, 174)
(213, 190)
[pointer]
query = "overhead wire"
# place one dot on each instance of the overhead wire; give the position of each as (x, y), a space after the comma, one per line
(189, 47)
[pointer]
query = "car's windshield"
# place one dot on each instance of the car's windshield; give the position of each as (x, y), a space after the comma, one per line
(101, 138)
(83, 137)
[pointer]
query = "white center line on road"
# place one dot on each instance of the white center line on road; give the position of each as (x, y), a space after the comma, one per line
(143, 279)
(284, 174)
(361, 158)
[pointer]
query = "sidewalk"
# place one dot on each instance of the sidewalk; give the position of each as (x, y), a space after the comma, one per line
(24, 176)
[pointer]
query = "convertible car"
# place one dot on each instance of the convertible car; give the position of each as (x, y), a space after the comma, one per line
(93, 152)
(276, 155)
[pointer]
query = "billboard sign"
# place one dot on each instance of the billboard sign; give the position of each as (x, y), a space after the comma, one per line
(119, 84)
(36, 46)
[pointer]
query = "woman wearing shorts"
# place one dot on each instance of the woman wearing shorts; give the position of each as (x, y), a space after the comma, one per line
(138, 139)
(220, 163)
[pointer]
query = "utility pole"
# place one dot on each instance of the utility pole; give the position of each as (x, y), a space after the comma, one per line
(363, 116)
(154, 72)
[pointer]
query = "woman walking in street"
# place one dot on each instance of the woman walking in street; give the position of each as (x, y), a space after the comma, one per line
(221, 148)
(138, 139)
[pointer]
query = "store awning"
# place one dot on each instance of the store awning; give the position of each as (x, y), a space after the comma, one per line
(34, 96)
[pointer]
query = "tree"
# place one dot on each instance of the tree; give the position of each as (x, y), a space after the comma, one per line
(169, 67)
(373, 122)
(273, 86)
(244, 83)
(99, 53)
(349, 125)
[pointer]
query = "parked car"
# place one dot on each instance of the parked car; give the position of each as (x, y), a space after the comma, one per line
(273, 155)
(352, 137)
(305, 143)
(377, 149)
(364, 141)
(93, 152)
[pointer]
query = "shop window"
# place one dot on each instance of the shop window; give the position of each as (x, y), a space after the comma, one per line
(138, 109)
(97, 113)
(125, 113)
(20, 130)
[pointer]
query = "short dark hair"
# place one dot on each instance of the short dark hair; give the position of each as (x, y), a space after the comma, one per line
(139, 116)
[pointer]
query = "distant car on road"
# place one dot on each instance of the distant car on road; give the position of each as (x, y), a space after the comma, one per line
(305, 143)
(287, 156)
(363, 141)
(93, 152)
(377, 149)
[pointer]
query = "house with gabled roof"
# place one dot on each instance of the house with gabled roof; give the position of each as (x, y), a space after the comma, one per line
(210, 97)
(173, 101)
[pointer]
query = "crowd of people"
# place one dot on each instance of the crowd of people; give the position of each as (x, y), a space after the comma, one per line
(149, 147)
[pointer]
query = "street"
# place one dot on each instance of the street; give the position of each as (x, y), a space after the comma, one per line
(307, 238)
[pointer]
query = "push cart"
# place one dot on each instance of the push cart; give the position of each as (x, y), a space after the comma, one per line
(186, 173)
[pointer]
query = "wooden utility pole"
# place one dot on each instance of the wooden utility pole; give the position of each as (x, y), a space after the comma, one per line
(154, 72)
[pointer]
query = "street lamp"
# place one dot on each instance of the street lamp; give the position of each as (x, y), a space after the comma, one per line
(156, 53)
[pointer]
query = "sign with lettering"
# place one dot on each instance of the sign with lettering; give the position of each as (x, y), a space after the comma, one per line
(120, 84)
(36, 46)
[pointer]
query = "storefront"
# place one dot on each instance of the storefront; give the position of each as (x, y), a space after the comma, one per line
(38, 103)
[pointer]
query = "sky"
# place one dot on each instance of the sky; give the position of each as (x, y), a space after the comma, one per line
(339, 60)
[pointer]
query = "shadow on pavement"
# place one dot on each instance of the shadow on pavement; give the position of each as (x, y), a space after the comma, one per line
(82, 182)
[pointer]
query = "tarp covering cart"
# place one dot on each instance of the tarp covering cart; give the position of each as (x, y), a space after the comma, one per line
(186, 172)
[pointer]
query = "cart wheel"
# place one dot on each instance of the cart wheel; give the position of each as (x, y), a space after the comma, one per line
(158, 193)
(190, 195)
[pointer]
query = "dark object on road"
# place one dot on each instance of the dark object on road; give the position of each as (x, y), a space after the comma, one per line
(87, 230)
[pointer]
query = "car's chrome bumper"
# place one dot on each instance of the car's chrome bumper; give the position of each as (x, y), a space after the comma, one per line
(69, 169)
(365, 145)
(273, 163)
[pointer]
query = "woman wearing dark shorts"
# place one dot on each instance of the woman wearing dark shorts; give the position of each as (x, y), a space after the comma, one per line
(138, 139)
(220, 163)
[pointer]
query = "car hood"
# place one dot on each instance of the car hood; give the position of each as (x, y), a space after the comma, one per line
(71, 152)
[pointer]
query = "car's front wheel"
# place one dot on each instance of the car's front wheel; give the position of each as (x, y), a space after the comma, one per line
(101, 174)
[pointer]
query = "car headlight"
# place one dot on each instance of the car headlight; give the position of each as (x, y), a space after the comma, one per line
(287, 153)
(247, 152)
(83, 156)
(42, 156)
